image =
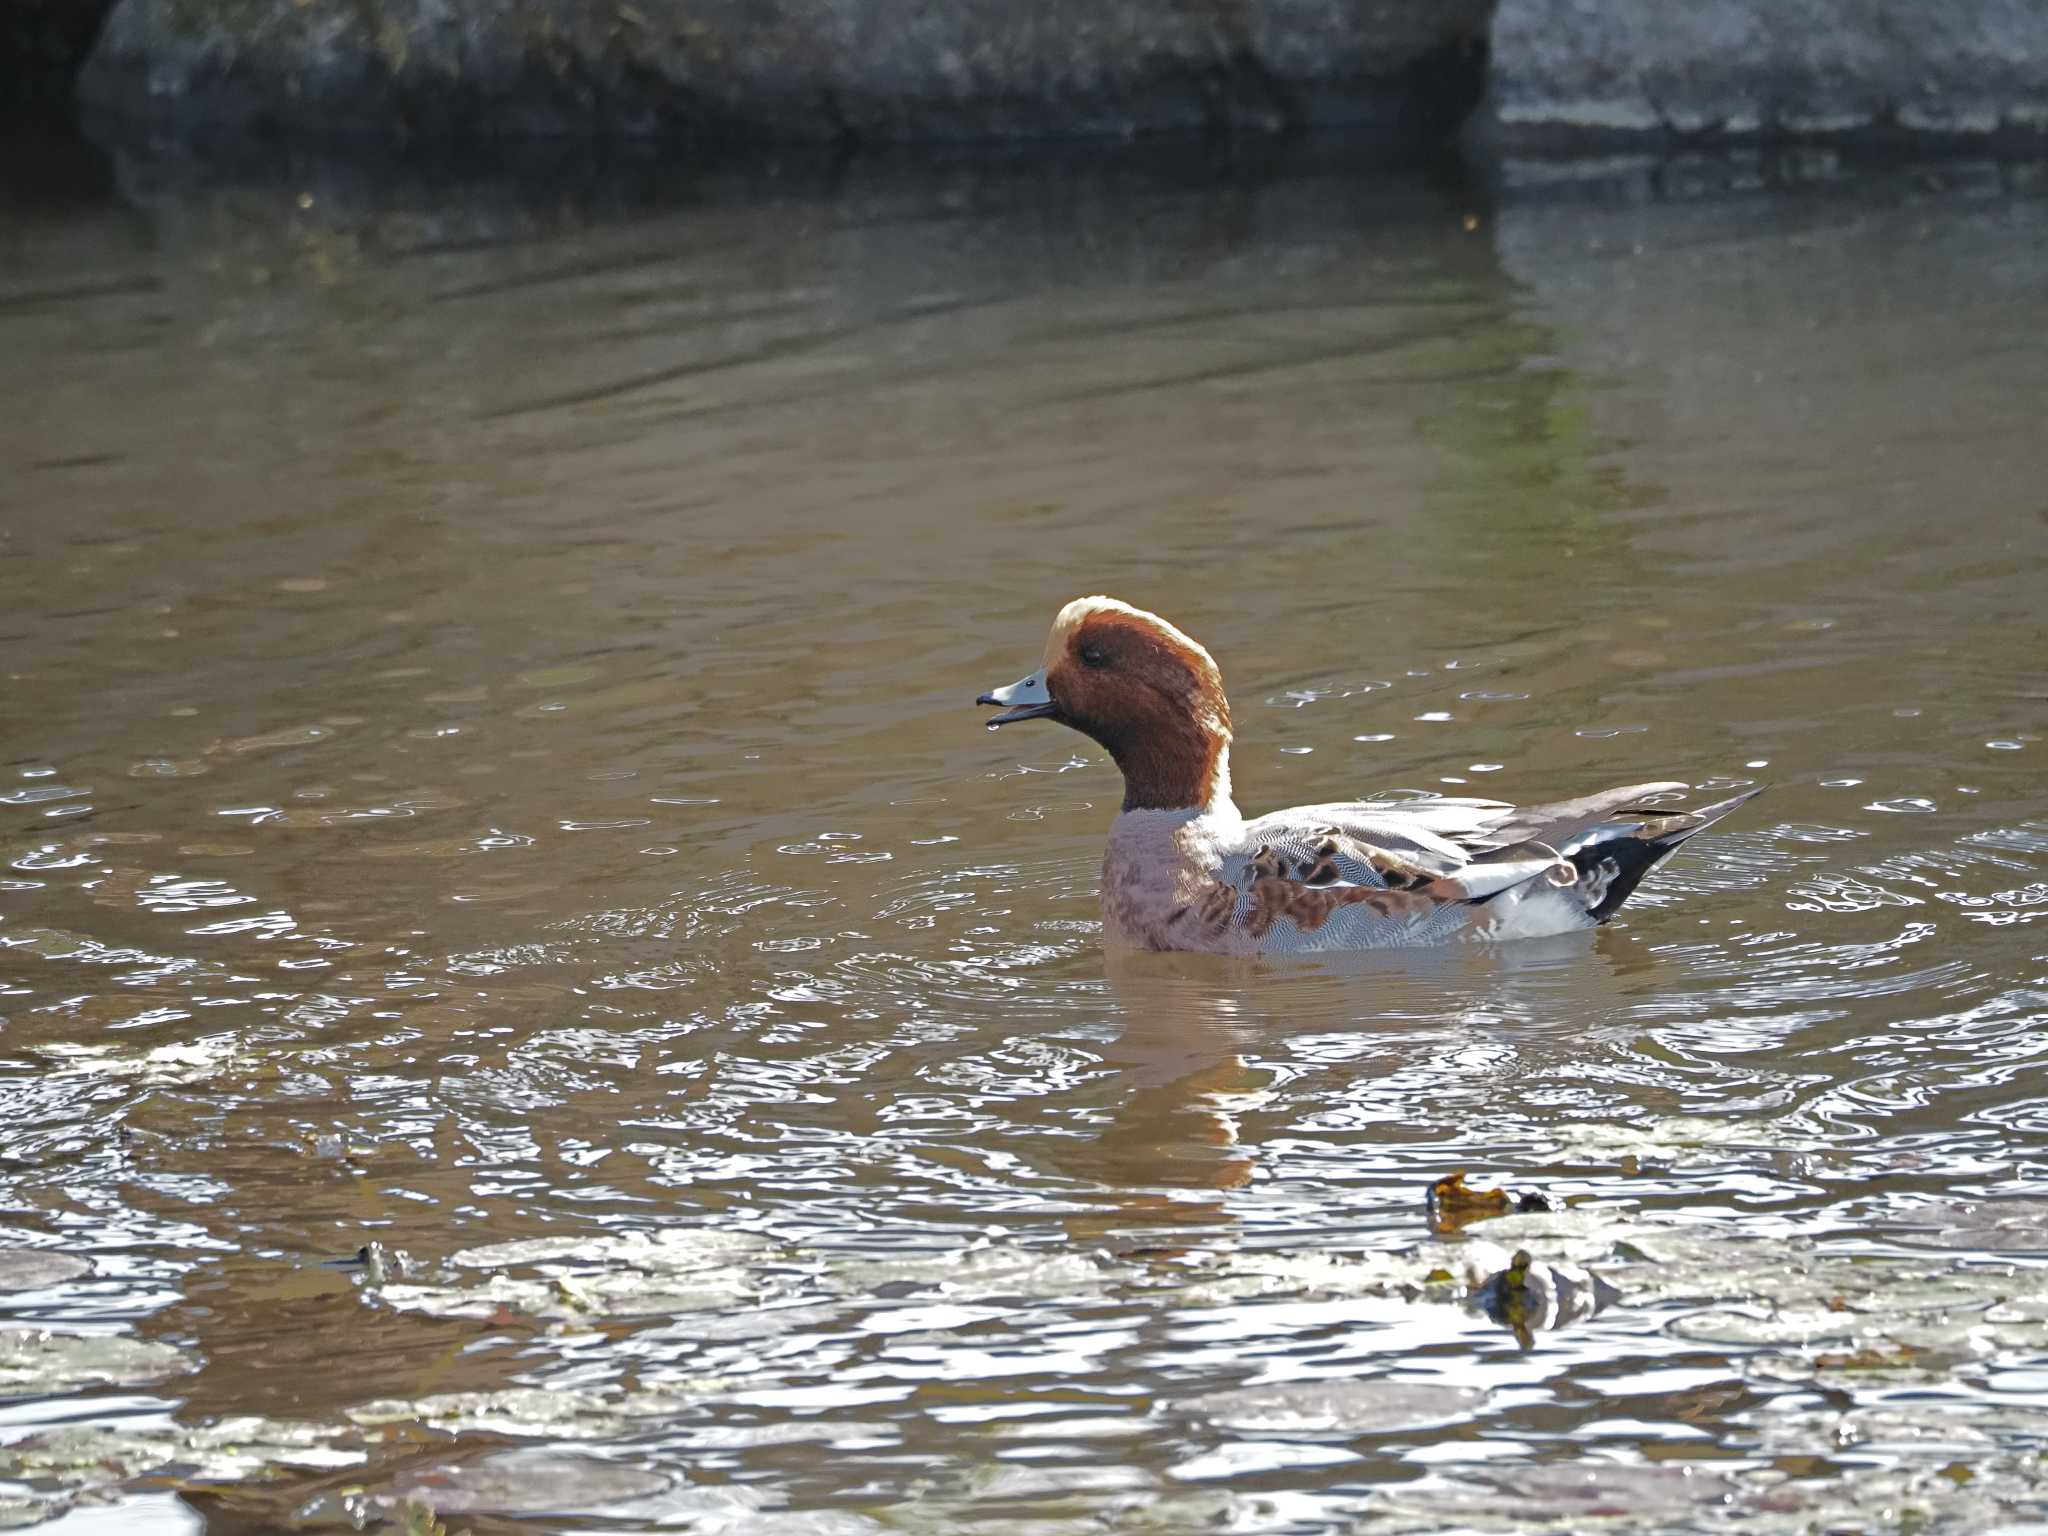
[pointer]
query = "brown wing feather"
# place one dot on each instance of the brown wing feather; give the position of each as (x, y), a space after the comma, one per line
(1309, 907)
(1308, 883)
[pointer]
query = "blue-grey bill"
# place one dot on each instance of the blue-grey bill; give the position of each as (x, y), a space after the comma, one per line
(1026, 699)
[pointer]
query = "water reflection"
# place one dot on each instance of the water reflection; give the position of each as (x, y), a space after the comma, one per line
(492, 766)
(1186, 1086)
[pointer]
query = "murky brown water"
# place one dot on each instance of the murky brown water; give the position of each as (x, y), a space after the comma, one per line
(488, 757)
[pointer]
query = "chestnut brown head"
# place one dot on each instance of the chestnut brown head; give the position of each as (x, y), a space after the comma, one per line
(1143, 689)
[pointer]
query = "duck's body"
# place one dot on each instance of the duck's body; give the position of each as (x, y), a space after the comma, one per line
(1185, 870)
(1382, 874)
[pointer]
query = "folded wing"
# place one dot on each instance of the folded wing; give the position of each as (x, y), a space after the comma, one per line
(1374, 874)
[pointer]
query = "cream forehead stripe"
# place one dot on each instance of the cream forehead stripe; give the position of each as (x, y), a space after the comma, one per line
(1082, 609)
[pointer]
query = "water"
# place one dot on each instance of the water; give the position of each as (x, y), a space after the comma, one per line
(488, 760)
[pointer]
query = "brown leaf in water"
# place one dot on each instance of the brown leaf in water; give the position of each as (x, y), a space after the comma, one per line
(1454, 1204)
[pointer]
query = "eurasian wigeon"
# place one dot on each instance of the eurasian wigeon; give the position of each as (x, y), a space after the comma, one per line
(1185, 870)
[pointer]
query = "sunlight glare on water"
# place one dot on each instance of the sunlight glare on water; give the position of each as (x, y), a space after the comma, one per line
(526, 989)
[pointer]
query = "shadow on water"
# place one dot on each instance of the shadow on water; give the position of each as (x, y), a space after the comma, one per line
(525, 990)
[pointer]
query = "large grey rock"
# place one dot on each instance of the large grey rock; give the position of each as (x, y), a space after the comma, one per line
(1770, 67)
(788, 69)
(42, 43)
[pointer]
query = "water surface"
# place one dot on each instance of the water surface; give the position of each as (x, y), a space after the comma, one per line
(488, 760)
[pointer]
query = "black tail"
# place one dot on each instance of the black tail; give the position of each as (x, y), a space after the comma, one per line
(1613, 857)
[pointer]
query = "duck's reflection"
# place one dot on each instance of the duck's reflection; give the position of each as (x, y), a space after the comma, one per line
(1204, 1062)
(1175, 1140)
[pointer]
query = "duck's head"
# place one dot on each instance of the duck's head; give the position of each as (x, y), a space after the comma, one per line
(1143, 689)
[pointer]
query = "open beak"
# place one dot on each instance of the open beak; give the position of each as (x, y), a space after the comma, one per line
(1026, 699)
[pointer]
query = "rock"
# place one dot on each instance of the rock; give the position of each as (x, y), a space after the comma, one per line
(793, 70)
(1749, 68)
(35, 1269)
(42, 43)
(34, 1362)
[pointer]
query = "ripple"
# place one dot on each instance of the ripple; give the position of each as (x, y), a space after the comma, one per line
(270, 741)
(1300, 698)
(42, 794)
(169, 768)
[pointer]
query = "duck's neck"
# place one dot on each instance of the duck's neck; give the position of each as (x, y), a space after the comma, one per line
(1189, 776)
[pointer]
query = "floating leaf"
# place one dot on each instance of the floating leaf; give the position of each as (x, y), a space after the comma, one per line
(35, 1269)
(1454, 1204)
(95, 1462)
(35, 1363)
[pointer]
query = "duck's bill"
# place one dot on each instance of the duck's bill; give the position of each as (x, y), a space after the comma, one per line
(1026, 699)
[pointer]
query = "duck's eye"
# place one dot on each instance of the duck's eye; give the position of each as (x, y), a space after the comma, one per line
(1094, 656)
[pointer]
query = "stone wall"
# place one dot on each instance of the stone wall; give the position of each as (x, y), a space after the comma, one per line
(868, 70)
(833, 71)
(1770, 68)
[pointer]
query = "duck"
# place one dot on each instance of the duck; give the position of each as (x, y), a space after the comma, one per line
(1184, 869)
